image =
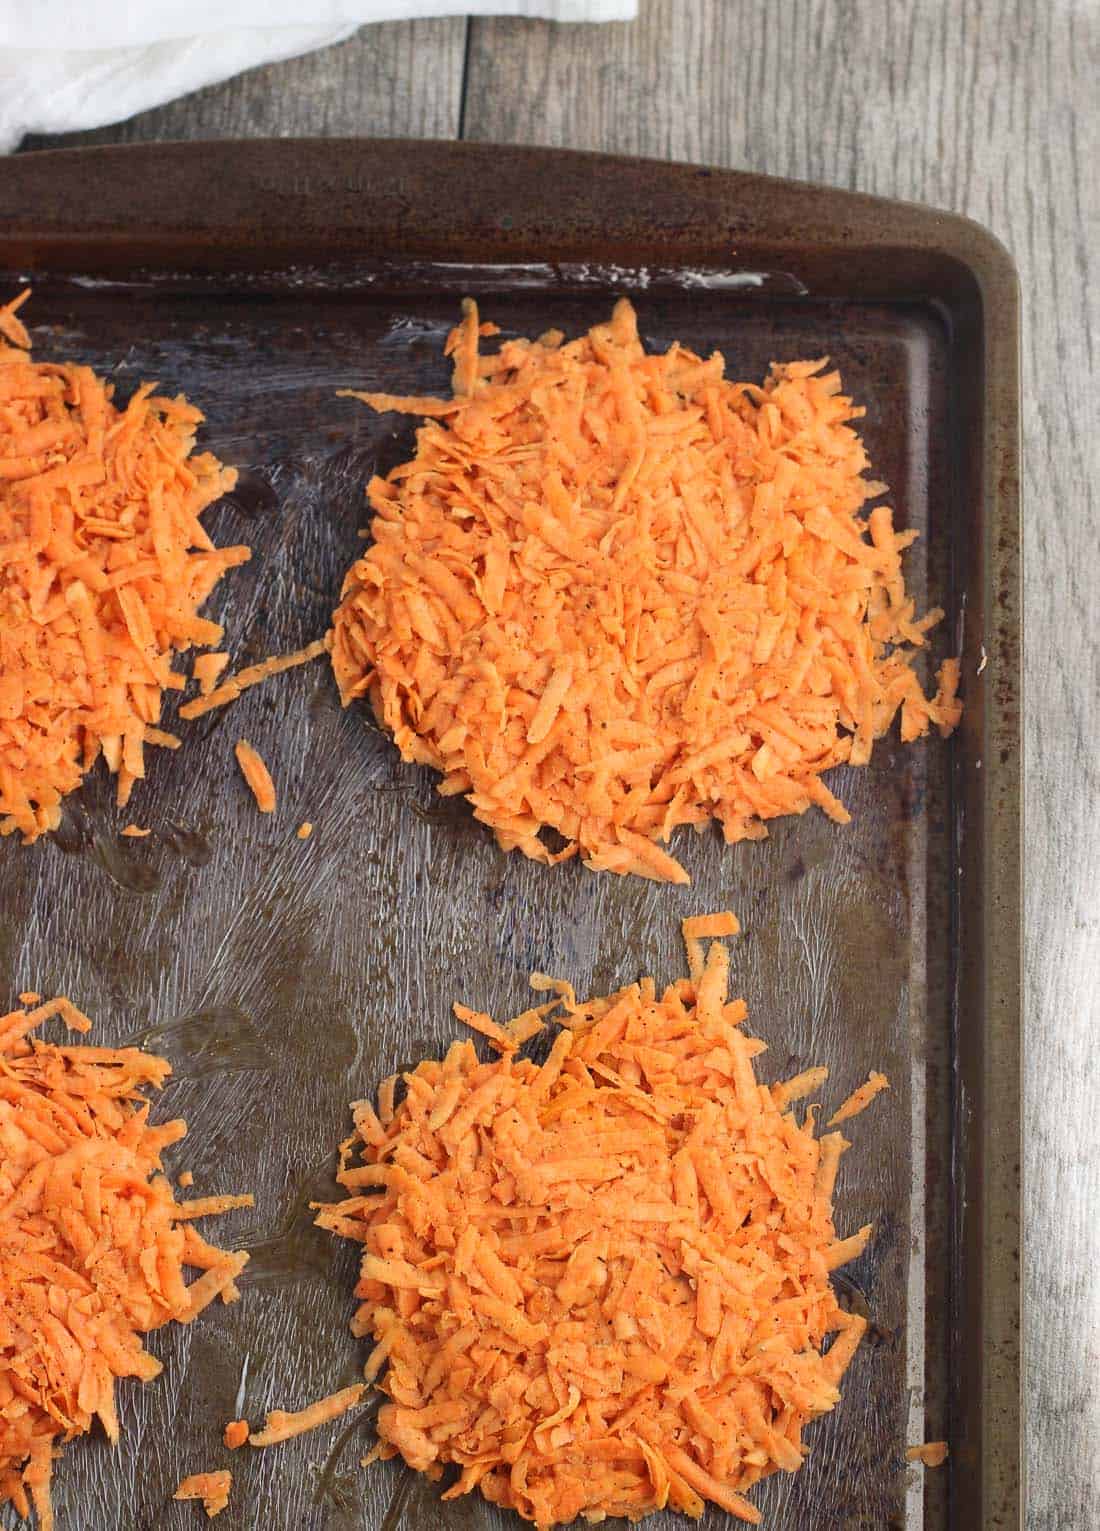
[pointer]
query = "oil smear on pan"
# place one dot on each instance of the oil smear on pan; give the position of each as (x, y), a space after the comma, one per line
(127, 863)
(294, 1250)
(190, 845)
(221, 1039)
(342, 1489)
(396, 1507)
(79, 835)
(252, 495)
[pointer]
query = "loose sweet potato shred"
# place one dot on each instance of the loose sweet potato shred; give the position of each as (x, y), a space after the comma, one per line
(283, 1426)
(600, 1286)
(929, 1453)
(93, 1244)
(859, 1099)
(254, 675)
(235, 1433)
(256, 774)
(206, 670)
(104, 565)
(615, 592)
(212, 1488)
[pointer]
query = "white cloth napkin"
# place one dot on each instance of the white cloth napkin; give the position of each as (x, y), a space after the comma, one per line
(72, 64)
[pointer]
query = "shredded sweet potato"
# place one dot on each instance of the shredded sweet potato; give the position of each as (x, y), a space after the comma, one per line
(256, 775)
(206, 670)
(212, 1488)
(212, 1206)
(859, 1099)
(235, 1433)
(281, 1426)
(12, 329)
(600, 1286)
(93, 1244)
(615, 592)
(104, 564)
(701, 927)
(929, 1454)
(252, 676)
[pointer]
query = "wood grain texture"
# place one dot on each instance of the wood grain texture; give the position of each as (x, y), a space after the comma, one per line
(398, 79)
(988, 108)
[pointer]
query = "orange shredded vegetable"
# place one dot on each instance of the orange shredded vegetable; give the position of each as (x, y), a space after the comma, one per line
(212, 1206)
(281, 1426)
(206, 669)
(235, 1433)
(701, 927)
(212, 1488)
(12, 328)
(231, 689)
(859, 1099)
(930, 1454)
(256, 775)
(93, 1244)
(600, 1286)
(104, 564)
(615, 593)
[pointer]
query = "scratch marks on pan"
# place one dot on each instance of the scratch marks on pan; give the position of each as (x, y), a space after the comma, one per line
(238, 1402)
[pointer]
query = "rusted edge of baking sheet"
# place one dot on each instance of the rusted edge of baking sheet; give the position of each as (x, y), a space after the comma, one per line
(246, 206)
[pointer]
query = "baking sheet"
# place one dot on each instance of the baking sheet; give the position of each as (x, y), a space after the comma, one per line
(284, 978)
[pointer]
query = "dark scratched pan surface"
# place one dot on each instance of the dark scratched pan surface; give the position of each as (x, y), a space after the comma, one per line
(284, 978)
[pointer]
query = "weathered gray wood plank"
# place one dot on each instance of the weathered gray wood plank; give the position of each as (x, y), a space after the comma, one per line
(394, 80)
(988, 108)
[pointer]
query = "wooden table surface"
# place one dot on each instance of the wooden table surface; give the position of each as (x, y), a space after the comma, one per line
(986, 107)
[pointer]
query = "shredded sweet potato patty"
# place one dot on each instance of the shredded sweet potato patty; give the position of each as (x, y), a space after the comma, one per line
(104, 564)
(615, 592)
(601, 1286)
(93, 1244)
